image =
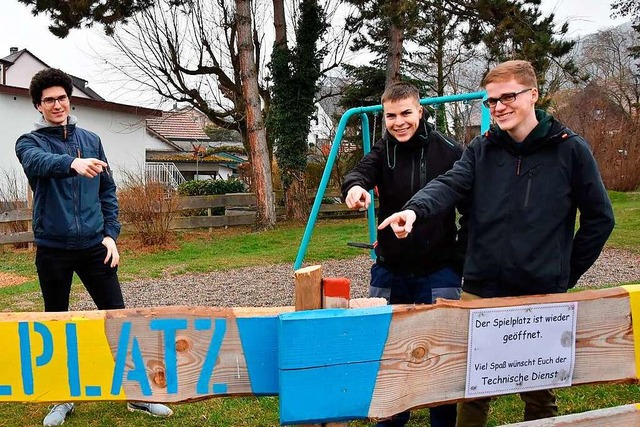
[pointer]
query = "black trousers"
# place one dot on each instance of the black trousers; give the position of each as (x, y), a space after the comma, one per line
(55, 273)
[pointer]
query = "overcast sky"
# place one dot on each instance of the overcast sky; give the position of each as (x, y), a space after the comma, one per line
(75, 54)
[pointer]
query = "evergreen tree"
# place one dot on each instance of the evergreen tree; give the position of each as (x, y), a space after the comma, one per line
(67, 15)
(295, 73)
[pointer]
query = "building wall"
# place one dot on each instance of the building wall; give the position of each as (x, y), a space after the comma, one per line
(123, 135)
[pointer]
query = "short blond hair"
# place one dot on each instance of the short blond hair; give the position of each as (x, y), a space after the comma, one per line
(399, 91)
(518, 70)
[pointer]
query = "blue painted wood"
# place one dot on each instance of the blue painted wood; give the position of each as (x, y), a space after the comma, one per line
(259, 339)
(329, 362)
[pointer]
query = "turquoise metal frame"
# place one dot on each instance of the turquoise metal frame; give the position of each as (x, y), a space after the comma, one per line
(362, 111)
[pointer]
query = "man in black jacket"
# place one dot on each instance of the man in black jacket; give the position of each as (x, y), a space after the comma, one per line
(427, 265)
(525, 179)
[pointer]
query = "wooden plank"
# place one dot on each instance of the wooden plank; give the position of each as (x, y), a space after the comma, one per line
(162, 354)
(15, 215)
(326, 365)
(336, 293)
(19, 237)
(221, 200)
(190, 222)
(619, 416)
(426, 346)
(338, 207)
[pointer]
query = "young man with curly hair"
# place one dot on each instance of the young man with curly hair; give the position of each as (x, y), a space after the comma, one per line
(75, 210)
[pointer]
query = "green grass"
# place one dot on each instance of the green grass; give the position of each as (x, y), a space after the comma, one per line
(233, 248)
(626, 234)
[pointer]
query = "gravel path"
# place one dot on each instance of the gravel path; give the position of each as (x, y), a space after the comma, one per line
(273, 285)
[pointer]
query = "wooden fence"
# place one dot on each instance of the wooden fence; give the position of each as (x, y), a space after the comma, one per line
(239, 210)
(326, 366)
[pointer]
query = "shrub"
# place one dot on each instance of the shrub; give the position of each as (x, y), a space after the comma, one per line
(149, 207)
(211, 187)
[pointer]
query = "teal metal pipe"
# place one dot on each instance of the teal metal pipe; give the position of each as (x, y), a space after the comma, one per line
(335, 146)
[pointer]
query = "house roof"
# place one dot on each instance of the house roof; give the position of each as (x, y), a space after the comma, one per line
(190, 158)
(89, 102)
(178, 126)
(10, 59)
(81, 84)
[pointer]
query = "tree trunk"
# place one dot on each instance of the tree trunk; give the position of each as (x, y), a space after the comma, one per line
(295, 197)
(261, 169)
(396, 38)
(280, 23)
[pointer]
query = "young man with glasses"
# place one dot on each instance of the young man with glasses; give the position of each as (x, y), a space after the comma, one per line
(75, 210)
(525, 179)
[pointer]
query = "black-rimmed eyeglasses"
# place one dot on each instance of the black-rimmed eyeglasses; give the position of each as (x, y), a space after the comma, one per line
(506, 98)
(50, 102)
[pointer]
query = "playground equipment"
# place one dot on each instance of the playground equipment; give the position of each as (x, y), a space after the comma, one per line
(325, 365)
(335, 146)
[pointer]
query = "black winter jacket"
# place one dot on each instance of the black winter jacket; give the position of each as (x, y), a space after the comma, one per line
(399, 170)
(523, 200)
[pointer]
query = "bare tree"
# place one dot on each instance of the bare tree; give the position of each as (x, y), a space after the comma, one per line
(266, 215)
(188, 54)
(192, 53)
(607, 58)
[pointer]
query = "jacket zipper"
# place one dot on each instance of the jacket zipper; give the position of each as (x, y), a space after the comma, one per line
(423, 169)
(413, 170)
(518, 165)
(526, 196)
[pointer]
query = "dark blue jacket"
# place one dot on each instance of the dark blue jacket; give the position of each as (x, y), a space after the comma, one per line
(524, 198)
(69, 211)
(399, 170)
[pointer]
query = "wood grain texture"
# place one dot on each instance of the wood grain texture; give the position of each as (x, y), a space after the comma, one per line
(424, 362)
(619, 416)
(308, 282)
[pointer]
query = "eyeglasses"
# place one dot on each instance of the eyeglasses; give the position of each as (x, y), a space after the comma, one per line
(506, 98)
(50, 102)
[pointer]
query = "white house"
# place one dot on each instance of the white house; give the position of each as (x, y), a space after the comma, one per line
(122, 128)
(187, 146)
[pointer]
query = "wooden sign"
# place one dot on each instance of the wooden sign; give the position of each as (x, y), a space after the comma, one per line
(162, 355)
(326, 365)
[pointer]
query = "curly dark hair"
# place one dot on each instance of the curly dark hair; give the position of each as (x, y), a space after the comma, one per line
(47, 78)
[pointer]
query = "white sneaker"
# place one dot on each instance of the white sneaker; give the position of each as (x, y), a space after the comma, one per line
(155, 409)
(57, 414)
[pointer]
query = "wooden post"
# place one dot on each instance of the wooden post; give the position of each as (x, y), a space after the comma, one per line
(308, 290)
(313, 292)
(30, 206)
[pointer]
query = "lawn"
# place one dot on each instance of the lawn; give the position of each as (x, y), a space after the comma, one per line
(238, 247)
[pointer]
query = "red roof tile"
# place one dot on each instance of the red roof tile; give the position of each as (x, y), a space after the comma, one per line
(178, 125)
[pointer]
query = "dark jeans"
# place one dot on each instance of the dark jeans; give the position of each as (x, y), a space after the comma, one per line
(398, 288)
(537, 404)
(55, 273)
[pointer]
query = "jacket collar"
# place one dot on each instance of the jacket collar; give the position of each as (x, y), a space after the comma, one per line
(547, 132)
(59, 131)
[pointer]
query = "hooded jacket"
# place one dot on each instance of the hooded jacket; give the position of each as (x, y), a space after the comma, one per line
(69, 211)
(523, 201)
(399, 170)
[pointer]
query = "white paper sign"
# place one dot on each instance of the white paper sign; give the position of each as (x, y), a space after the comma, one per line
(523, 348)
